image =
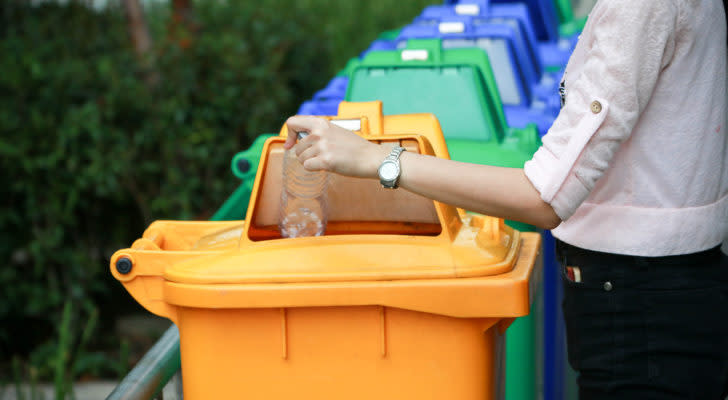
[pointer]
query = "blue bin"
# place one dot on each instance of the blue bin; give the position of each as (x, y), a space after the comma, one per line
(553, 53)
(544, 16)
(545, 85)
(335, 89)
(320, 107)
(379, 44)
(542, 13)
(519, 104)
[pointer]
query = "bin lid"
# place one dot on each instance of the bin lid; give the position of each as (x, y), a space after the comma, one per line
(354, 258)
(424, 77)
(497, 40)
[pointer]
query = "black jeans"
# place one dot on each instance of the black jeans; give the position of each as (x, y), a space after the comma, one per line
(646, 327)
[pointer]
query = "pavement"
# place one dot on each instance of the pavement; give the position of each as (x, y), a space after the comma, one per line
(96, 390)
(44, 391)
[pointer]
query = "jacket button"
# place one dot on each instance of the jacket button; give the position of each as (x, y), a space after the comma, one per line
(608, 286)
(596, 107)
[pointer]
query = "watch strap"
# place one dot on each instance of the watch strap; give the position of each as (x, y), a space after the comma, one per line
(395, 153)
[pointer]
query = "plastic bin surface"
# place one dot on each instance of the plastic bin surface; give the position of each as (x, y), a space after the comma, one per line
(426, 78)
(544, 16)
(553, 54)
(385, 41)
(319, 107)
(335, 89)
(415, 296)
(526, 51)
(457, 32)
(569, 24)
(351, 64)
(457, 85)
(514, 73)
(450, 8)
(379, 44)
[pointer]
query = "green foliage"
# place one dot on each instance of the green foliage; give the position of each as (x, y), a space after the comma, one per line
(349, 27)
(95, 144)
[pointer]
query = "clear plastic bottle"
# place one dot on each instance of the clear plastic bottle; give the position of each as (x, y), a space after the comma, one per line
(304, 205)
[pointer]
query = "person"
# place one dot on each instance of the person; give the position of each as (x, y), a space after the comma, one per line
(633, 179)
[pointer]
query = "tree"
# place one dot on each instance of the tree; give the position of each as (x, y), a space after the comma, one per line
(141, 40)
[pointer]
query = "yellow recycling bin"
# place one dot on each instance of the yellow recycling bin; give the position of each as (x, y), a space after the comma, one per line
(402, 298)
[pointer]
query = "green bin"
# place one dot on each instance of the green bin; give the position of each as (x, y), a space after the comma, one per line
(457, 85)
(569, 24)
(524, 349)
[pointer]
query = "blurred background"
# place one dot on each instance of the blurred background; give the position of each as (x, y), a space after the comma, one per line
(116, 113)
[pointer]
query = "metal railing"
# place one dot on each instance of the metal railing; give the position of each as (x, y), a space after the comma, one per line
(153, 375)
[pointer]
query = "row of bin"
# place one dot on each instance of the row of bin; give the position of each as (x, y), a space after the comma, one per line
(489, 71)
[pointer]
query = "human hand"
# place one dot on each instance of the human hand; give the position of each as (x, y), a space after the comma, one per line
(332, 148)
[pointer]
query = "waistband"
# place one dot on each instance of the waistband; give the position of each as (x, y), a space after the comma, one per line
(574, 253)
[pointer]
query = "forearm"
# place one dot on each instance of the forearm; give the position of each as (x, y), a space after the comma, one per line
(496, 191)
(499, 192)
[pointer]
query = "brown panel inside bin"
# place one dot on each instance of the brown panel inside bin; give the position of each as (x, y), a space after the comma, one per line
(355, 205)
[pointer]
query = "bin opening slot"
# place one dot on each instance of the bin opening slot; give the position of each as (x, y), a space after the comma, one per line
(356, 206)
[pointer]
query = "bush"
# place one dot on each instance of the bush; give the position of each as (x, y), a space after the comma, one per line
(92, 153)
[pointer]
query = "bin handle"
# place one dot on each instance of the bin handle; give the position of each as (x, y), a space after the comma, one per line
(432, 47)
(364, 117)
(467, 9)
(369, 113)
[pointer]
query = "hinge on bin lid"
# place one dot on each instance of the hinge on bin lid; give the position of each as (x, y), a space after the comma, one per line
(452, 27)
(467, 9)
(419, 55)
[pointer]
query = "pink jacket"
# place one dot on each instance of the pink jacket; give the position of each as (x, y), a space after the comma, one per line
(637, 161)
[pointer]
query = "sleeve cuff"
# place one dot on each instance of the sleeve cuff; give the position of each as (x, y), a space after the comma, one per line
(556, 177)
(569, 195)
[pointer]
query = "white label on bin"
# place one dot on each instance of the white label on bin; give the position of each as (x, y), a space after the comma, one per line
(409, 55)
(452, 27)
(467, 9)
(350, 124)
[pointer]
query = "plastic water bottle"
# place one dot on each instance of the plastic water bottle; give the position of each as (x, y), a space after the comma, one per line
(304, 205)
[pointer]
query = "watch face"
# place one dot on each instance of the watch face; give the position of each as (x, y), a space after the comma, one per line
(388, 171)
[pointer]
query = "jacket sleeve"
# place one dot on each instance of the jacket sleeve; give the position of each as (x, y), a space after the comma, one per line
(628, 44)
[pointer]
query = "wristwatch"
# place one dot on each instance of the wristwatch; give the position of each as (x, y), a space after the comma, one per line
(390, 170)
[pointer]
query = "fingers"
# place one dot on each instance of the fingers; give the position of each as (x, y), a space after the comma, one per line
(301, 123)
(306, 153)
(305, 144)
(315, 164)
(290, 139)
